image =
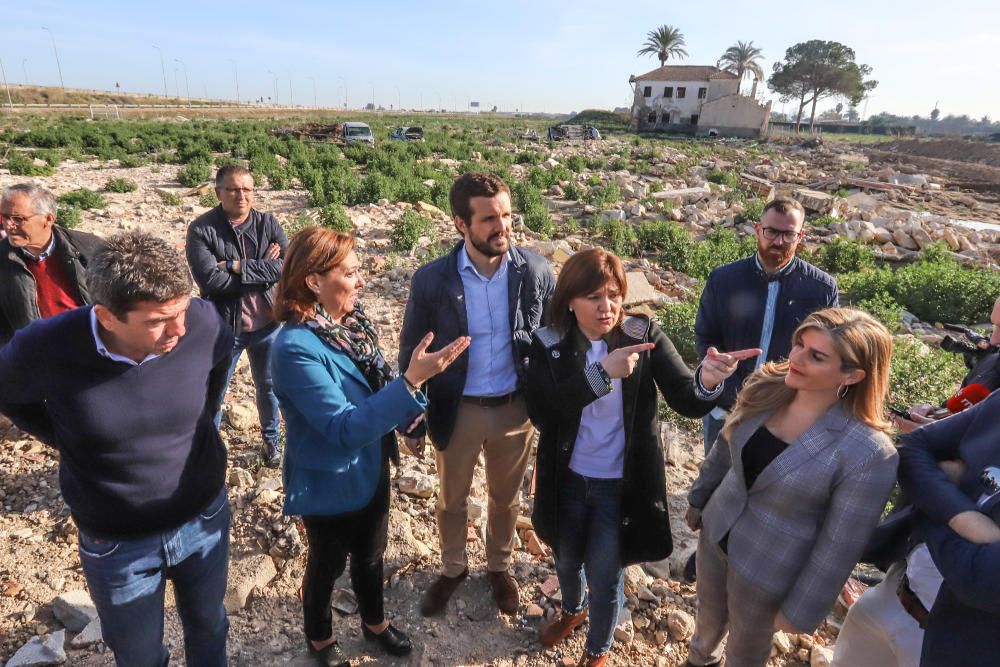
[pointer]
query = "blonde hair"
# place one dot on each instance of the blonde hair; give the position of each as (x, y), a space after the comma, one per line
(861, 342)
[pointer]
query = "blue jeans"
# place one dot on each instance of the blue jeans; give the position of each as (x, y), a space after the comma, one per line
(589, 555)
(127, 579)
(258, 346)
(710, 428)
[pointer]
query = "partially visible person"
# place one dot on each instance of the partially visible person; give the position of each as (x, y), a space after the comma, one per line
(957, 515)
(123, 391)
(601, 498)
(43, 267)
(495, 292)
(341, 403)
(787, 500)
(759, 301)
(235, 253)
(985, 371)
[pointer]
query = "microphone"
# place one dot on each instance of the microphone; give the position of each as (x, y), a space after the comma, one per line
(966, 397)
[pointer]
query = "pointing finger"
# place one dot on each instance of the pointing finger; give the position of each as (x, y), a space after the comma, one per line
(635, 349)
(748, 353)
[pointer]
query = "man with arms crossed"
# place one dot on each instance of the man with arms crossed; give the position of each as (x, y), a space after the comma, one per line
(122, 389)
(494, 292)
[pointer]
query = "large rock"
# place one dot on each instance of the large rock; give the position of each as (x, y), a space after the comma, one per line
(89, 636)
(814, 201)
(416, 484)
(241, 416)
(684, 195)
(245, 575)
(820, 656)
(74, 609)
(625, 630)
(680, 625)
(41, 652)
(904, 240)
(640, 291)
(401, 532)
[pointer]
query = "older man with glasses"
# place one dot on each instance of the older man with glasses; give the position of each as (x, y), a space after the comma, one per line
(235, 253)
(759, 301)
(42, 266)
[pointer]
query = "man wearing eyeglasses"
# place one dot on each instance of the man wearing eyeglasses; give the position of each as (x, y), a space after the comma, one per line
(42, 266)
(759, 301)
(235, 253)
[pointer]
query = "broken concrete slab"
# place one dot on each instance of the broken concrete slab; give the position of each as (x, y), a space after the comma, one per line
(640, 291)
(684, 195)
(758, 186)
(814, 201)
(89, 636)
(74, 609)
(41, 652)
(246, 574)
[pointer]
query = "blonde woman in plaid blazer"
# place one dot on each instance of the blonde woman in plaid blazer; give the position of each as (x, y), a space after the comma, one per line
(787, 500)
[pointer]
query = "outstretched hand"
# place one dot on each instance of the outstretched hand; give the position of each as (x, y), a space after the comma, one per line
(425, 365)
(717, 366)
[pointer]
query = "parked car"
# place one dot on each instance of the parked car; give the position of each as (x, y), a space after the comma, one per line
(357, 133)
(407, 134)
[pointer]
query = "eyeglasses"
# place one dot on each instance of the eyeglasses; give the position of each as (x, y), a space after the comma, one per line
(772, 234)
(236, 192)
(16, 220)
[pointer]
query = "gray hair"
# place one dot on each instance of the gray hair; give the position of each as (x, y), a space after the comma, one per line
(137, 266)
(43, 202)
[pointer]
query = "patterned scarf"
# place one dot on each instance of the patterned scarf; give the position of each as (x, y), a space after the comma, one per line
(356, 336)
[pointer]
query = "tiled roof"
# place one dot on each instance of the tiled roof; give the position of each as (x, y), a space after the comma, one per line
(685, 73)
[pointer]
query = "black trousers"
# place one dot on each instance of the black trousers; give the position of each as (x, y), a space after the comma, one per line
(362, 535)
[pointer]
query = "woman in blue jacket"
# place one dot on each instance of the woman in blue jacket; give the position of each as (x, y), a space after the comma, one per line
(342, 405)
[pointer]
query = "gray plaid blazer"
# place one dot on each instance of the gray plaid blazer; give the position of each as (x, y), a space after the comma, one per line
(802, 527)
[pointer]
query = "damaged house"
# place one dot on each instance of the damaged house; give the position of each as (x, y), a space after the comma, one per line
(698, 100)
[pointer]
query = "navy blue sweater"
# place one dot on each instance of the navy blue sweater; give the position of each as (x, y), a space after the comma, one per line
(138, 451)
(731, 313)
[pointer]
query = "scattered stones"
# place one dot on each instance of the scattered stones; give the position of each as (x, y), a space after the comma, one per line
(820, 656)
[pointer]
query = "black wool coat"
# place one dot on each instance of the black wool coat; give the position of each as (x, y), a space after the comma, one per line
(557, 391)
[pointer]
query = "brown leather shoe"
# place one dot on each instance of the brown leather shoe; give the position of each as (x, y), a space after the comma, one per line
(504, 591)
(440, 592)
(588, 660)
(560, 628)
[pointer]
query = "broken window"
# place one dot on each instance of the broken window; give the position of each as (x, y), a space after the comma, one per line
(681, 91)
(668, 91)
(647, 91)
(652, 118)
(702, 92)
(694, 119)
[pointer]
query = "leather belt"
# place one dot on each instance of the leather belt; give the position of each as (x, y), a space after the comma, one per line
(491, 401)
(911, 603)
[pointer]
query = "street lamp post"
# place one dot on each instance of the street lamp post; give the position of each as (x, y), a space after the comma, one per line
(5, 87)
(275, 86)
(291, 98)
(236, 71)
(56, 51)
(187, 88)
(163, 69)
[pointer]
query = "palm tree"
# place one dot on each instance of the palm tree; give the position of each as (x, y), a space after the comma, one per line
(741, 58)
(665, 41)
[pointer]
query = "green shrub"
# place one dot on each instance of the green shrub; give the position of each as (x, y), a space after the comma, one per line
(208, 199)
(576, 163)
(867, 284)
(529, 157)
(120, 185)
(843, 255)
(922, 374)
(670, 240)
(408, 229)
(720, 246)
(194, 173)
(169, 198)
(677, 322)
(570, 226)
(68, 216)
(617, 164)
(619, 237)
(279, 178)
(132, 161)
(335, 217)
(825, 221)
(938, 289)
(728, 178)
(84, 199)
(885, 309)
(754, 209)
(24, 165)
(604, 196)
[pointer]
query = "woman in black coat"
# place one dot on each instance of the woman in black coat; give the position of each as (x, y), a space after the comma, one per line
(601, 499)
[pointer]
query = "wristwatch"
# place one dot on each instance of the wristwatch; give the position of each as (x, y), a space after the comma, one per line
(229, 265)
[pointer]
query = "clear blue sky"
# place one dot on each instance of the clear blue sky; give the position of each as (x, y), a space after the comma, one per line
(539, 56)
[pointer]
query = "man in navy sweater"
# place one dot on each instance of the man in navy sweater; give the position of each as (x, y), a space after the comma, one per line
(123, 390)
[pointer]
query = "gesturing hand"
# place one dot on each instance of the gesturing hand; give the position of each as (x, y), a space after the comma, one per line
(621, 362)
(717, 366)
(273, 251)
(424, 365)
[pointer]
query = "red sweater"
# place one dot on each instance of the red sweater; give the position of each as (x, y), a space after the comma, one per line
(54, 291)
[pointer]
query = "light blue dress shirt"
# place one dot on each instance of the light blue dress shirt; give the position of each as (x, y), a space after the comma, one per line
(491, 357)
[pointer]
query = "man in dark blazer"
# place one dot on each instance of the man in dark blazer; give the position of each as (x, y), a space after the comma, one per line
(959, 521)
(494, 292)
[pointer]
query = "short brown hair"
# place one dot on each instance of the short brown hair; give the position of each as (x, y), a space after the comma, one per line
(136, 266)
(784, 207)
(313, 250)
(230, 170)
(584, 273)
(473, 184)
